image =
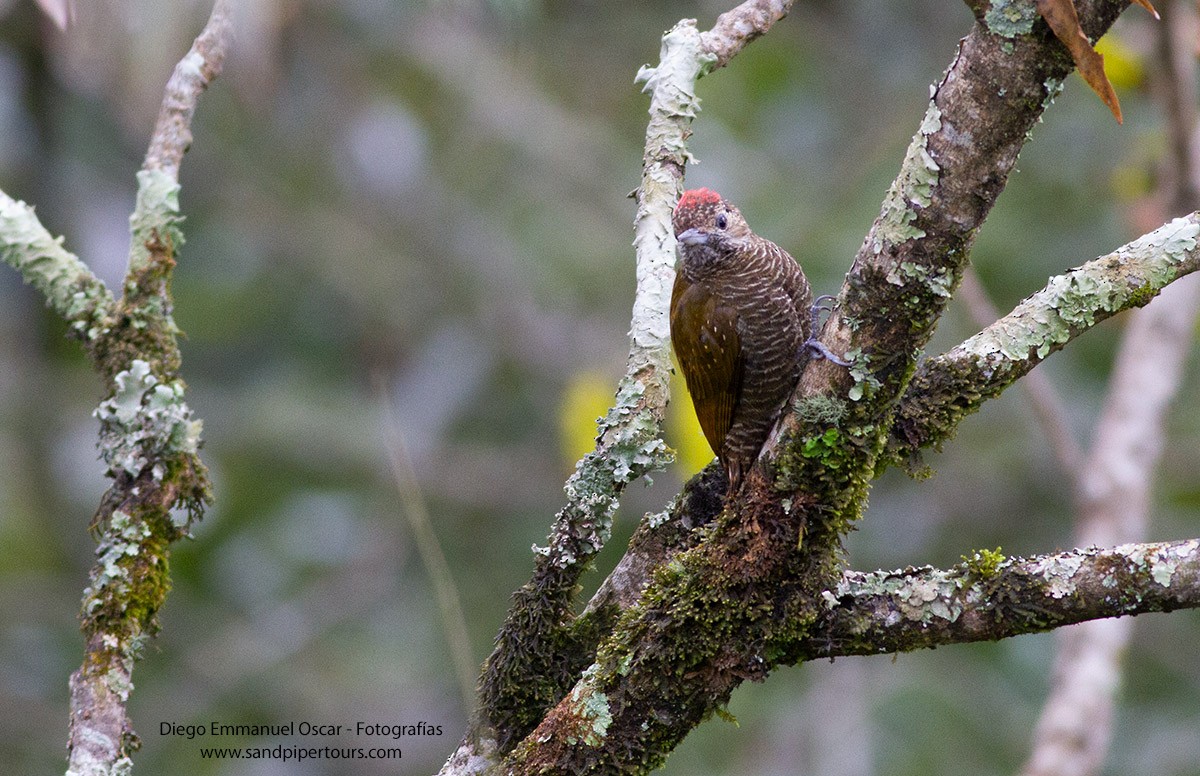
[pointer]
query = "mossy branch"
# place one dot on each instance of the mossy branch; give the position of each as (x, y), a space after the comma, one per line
(149, 438)
(726, 609)
(948, 387)
(537, 657)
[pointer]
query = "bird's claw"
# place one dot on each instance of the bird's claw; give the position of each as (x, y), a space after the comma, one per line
(823, 304)
(819, 350)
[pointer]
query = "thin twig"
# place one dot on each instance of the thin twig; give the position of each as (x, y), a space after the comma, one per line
(193, 74)
(416, 512)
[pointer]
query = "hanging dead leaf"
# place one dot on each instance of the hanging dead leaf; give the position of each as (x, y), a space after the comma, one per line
(1146, 4)
(1064, 21)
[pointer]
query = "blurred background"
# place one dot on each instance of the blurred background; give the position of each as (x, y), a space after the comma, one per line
(432, 197)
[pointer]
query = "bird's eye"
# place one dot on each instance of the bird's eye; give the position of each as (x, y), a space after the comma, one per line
(722, 221)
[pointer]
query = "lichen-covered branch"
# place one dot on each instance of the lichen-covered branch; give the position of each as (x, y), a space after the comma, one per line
(537, 655)
(70, 287)
(990, 597)
(718, 613)
(948, 387)
(149, 439)
(1114, 491)
(1045, 403)
(541, 648)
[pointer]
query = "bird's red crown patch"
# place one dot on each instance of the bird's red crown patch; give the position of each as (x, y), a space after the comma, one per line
(697, 197)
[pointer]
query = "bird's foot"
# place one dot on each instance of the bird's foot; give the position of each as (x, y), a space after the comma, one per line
(822, 304)
(818, 350)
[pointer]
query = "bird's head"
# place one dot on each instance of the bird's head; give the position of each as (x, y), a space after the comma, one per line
(707, 227)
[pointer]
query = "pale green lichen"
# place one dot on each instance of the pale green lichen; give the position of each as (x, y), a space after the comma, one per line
(629, 443)
(1173, 241)
(590, 709)
(939, 282)
(145, 420)
(629, 448)
(1011, 18)
(1071, 302)
(1160, 562)
(865, 382)
(110, 578)
(920, 595)
(820, 410)
(655, 519)
(682, 60)
(673, 104)
(70, 288)
(1058, 572)
(156, 217)
(913, 187)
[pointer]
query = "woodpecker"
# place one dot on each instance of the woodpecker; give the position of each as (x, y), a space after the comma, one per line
(741, 317)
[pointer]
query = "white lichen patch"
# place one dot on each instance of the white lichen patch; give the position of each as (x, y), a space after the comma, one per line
(110, 579)
(155, 216)
(69, 286)
(913, 187)
(591, 711)
(145, 420)
(1011, 18)
(1058, 573)
(920, 595)
(1173, 241)
(1071, 302)
(1161, 562)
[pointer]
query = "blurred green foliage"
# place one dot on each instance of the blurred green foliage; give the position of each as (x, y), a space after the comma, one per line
(435, 193)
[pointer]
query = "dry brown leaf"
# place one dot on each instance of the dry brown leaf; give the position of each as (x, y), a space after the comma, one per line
(1146, 4)
(1064, 21)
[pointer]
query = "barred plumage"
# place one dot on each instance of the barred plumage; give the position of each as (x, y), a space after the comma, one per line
(739, 321)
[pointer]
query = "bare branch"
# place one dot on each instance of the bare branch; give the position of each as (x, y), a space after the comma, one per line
(173, 130)
(738, 27)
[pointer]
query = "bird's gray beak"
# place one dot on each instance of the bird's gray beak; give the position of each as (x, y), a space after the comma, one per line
(692, 236)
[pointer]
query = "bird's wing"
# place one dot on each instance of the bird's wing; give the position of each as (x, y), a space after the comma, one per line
(705, 337)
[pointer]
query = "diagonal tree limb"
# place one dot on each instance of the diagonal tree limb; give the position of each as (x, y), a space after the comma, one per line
(539, 650)
(948, 387)
(71, 288)
(1044, 401)
(192, 75)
